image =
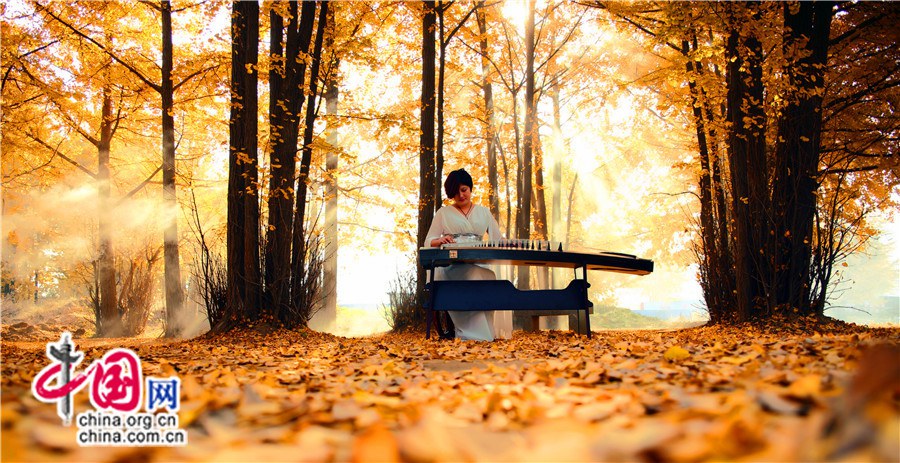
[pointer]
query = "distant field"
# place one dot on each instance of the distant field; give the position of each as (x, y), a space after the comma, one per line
(355, 321)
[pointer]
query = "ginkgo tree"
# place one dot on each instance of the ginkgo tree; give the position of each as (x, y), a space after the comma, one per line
(767, 86)
(621, 117)
(96, 61)
(89, 102)
(166, 86)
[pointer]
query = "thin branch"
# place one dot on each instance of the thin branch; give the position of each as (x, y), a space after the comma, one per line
(849, 170)
(19, 58)
(190, 76)
(461, 22)
(139, 187)
(56, 152)
(103, 48)
(379, 230)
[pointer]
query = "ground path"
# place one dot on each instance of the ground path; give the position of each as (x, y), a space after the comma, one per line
(798, 393)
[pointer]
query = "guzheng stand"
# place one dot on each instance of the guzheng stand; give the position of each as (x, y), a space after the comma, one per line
(478, 295)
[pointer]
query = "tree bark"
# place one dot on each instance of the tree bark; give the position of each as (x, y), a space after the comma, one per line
(111, 319)
(426, 139)
(524, 231)
(172, 260)
(299, 240)
(540, 198)
(748, 167)
(243, 205)
(556, 187)
(329, 311)
(715, 287)
(439, 109)
(285, 103)
(489, 123)
(797, 152)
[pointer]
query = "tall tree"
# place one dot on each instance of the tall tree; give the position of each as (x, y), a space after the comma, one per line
(797, 150)
(444, 38)
(166, 87)
(172, 260)
(490, 129)
(331, 95)
(244, 279)
(286, 82)
(777, 241)
(523, 211)
(111, 322)
(298, 292)
(863, 75)
(426, 137)
(114, 92)
(718, 287)
(747, 146)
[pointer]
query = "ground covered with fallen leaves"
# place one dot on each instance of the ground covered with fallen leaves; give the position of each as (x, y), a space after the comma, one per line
(797, 393)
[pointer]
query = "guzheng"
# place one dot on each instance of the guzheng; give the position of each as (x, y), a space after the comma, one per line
(463, 295)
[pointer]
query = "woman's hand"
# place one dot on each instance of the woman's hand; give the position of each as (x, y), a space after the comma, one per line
(446, 239)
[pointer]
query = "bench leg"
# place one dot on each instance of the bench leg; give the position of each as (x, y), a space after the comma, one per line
(584, 327)
(577, 323)
(429, 311)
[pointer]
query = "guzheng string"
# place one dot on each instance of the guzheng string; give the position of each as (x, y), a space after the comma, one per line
(464, 241)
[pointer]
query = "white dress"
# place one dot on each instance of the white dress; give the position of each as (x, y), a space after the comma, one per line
(448, 220)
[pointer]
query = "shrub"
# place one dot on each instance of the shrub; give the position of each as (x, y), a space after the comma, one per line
(310, 295)
(402, 312)
(212, 284)
(135, 288)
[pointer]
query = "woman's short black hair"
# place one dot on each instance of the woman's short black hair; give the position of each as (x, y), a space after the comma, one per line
(454, 180)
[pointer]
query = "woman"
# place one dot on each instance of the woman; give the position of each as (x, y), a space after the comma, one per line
(464, 217)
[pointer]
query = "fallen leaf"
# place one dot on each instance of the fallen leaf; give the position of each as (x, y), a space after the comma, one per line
(676, 353)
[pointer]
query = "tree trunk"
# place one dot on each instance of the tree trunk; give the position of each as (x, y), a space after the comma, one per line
(304, 307)
(556, 165)
(540, 217)
(556, 187)
(540, 199)
(111, 319)
(524, 230)
(797, 151)
(509, 208)
(489, 123)
(285, 103)
(716, 287)
(439, 108)
(567, 238)
(748, 166)
(329, 311)
(174, 292)
(426, 139)
(243, 205)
